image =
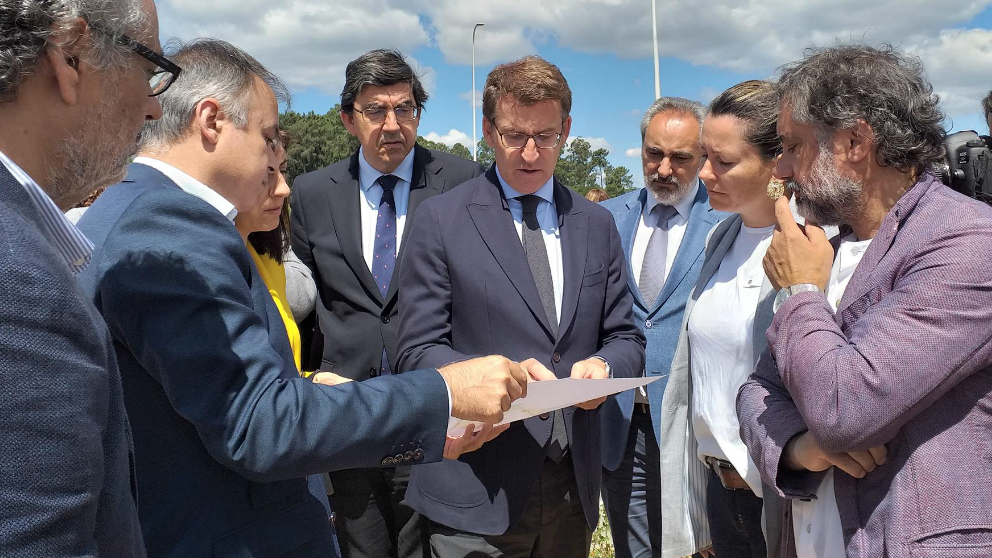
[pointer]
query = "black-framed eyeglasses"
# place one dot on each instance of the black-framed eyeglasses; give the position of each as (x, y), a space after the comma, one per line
(167, 72)
(518, 140)
(376, 114)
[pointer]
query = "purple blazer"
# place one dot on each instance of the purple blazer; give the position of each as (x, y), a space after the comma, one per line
(907, 362)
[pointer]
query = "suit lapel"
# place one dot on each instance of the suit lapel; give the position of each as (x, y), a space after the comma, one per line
(700, 220)
(628, 229)
(573, 230)
(492, 219)
(713, 259)
(860, 282)
(345, 212)
(426, 182)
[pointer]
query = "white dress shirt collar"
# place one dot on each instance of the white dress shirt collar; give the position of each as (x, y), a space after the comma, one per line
(69, 242)
(192, 186)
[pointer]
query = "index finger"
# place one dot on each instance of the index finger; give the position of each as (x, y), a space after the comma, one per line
(519, 376)
(879, 454)
(783, 214)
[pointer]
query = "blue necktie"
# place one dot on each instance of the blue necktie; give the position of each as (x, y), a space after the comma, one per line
(384, 248)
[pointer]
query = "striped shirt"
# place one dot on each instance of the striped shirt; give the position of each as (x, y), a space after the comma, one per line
(68, 241)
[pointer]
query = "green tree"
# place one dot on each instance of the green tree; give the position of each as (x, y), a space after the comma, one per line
(457, 149)
(317, 140)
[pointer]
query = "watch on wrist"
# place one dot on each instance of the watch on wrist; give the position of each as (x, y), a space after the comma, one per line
(785, 292)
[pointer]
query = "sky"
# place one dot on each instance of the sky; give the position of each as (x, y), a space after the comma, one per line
(603, 47)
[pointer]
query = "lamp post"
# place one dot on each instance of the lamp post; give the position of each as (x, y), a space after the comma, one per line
(475, 142)
(654, 34)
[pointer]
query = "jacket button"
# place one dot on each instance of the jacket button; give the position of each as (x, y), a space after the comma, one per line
(544, 416)
(385, 319)
(373, 372)
(556, 358)
(648, 324)
(418, 454)
(409, 456)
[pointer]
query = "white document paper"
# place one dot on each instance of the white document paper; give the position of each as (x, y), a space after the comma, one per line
(551, 395)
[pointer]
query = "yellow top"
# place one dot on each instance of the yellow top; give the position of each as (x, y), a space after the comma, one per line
(274, 275)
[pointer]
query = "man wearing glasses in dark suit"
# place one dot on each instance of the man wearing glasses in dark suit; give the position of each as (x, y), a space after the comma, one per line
(74, 92)
(349, 227)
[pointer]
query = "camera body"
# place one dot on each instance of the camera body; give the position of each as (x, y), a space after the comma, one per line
(967, 165)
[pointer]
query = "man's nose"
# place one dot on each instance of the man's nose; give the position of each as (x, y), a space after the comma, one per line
(665, 167)
(390, 123)
(530, 152)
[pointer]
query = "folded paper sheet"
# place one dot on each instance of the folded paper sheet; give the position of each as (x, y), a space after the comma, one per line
(547, 396)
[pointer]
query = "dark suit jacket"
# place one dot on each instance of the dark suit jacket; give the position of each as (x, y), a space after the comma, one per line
(906, 361)
(225, 430)
(466, 290)
(661, 320)
(65, 463)
(354, 317)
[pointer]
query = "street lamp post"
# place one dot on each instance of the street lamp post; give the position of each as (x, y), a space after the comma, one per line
(654, 34)
(475, 121)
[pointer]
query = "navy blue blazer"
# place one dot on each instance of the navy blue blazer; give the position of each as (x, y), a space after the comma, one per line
(660, 321)
(225, 430)
(65, 466)
(466, 290)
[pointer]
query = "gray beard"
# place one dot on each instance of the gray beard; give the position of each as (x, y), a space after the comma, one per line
(91, 159)
(827, 198)
(668, 197)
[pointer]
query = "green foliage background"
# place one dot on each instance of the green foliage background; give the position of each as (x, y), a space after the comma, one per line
(321, 139)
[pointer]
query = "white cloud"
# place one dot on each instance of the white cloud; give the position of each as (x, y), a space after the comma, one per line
(594, 143)
(633, 152)
(308, 42)
(959, 63)
(451, 138)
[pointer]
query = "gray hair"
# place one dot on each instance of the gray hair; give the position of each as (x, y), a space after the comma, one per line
(211, 68)
(28, 26)
(674, 104)
(379, 68)
(835, 87)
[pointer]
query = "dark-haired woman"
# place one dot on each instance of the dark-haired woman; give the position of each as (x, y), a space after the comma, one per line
(723, 332)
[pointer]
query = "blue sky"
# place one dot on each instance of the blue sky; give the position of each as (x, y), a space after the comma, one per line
(603, 47)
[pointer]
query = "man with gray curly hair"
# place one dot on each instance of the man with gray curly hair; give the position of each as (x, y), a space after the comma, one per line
(873, 403)
(74, 92)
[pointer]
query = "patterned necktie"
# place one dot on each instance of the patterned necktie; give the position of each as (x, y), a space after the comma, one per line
(540, 268)
(652, 277)
(384, 248)
(537, 259)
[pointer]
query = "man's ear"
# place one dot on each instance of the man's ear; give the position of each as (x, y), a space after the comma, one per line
(63, 55)
(348, 119)
(566, 126)
(488, 133)
(209, 120)
(860, 142)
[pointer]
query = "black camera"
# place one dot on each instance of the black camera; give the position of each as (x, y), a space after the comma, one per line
(967, 165)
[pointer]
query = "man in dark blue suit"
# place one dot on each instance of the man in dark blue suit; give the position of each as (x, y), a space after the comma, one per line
(663, 227)
(74, 92)
(351, 232)
(226, 432)
(515, 263)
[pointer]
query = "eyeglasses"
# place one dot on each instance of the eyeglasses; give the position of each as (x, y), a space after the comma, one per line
(518, 140)
(162, 78)
(377, 114)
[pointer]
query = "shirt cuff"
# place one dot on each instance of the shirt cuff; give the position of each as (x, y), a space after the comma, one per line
(447, 389)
